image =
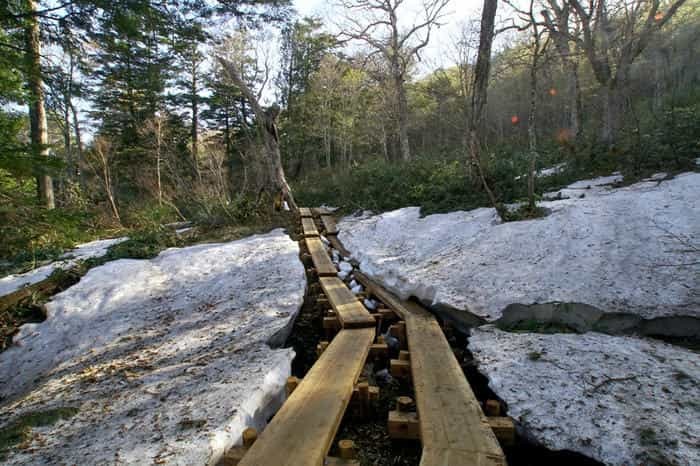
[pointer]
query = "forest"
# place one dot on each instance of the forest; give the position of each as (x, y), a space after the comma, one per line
(350, 232)
(126, 115)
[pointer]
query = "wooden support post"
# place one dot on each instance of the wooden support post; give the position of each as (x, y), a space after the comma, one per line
(492, 408)
(363, 392)
(404, 355)
(331, 326)
(321, 347)
(235, 454)
(403, 425)
(250, 435)
(292, 383)
(346, 449)
(387, 315)
(404, 403)
(373, 394)
(504, 428)
(379, 351)
(398, 331)
(400, 369)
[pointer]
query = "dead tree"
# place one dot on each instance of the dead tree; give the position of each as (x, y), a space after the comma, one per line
(267, 124)
(376, 23)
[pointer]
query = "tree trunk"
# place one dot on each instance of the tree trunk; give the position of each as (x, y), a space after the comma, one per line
(267, 125)
(480, 95)
(402, 109)
(532, 127)
(37, 112)
(78, 145)
(195, 121)
(159, 141)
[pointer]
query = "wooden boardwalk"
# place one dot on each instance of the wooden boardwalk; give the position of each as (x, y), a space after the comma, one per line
(349, 310)
(453, 428)
(451, 424)
(308, 227)
(302, 431)
(323, 264)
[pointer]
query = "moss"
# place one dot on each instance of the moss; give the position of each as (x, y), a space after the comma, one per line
(20, 431)
(536, 326)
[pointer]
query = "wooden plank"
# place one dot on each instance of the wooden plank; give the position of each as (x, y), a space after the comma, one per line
(329, 224)
(335, 242)
(302, 431)
(304, 212)
(453, 428)
(350, 311)
(308, 227)
(323, 264)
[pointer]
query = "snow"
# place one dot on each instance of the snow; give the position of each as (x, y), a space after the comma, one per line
(614, 249)
(168, 359)
(620, 400)
(84, 251)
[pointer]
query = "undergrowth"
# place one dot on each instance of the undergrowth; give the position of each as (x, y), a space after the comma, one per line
(20, 431)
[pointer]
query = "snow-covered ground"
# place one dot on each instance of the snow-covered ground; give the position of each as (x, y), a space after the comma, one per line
(84, 251)
(620, 400)
(618, 250)
(167, 360)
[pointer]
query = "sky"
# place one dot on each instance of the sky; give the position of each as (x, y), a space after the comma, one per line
(439, 51)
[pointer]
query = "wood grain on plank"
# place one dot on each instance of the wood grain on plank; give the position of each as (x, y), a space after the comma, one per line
(329, 224)
(302, 431)
(308, 227)
(323, 264)
(304, 212)
(350, 311)
(454, 429)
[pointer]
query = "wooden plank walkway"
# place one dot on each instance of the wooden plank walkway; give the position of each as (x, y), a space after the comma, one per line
(302, 431)
(329, 224)
(350, 311)
(453, 428)
(308, 227)
(323, 264)
(305, 212)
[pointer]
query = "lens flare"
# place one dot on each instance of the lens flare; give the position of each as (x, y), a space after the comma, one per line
(553, 92)
(659, 16)
(515, 119)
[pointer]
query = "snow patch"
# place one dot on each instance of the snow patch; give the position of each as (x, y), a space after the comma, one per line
(620, 400)
(84, 251)
(167, 360)
(617, 250)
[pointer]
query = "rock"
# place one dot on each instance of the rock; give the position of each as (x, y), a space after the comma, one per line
(370, 304)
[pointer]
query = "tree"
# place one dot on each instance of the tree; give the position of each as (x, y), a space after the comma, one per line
(267, 123)
(376, 23)
(613, 34)
(37, 111)
(538, 46)
(480, 94)
(560, 29)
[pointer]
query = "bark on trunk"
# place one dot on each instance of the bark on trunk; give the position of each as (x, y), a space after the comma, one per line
(403, 118)
(195, 121)
(37, 111)
(480, 95)
(277, 182)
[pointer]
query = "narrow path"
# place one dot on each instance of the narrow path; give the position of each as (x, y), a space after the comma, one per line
(446, 418)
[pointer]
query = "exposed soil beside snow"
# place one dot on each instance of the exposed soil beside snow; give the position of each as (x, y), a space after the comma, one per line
(167, 360)
(617, 250)
(84, 251)
(620, 400)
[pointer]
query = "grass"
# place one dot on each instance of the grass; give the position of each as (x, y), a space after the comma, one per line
(20, 431)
